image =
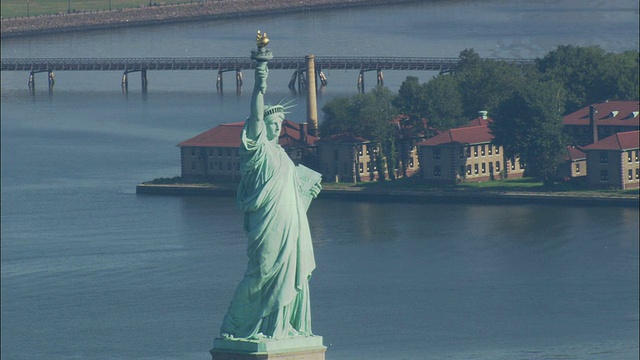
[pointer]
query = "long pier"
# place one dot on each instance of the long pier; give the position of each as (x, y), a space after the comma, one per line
(237, 64)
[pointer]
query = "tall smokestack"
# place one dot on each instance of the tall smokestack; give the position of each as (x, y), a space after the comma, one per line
(593, 124)
(312, 106)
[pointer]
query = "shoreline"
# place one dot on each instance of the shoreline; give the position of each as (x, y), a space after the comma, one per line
(410, 196)
(167, 14)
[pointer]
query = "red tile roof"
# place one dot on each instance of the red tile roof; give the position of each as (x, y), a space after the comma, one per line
(225, 135)
(290, 135)
(612, 113)
(463, 135)
(343, 138)
(228, 135)
(619, 141)
(480, 121)
(574, 154)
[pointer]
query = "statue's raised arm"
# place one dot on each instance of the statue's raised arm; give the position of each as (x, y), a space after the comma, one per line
(256, 120)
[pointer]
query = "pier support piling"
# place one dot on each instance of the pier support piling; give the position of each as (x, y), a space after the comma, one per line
(220, 82)
(361, 81)
(32, 79)
(144, 80)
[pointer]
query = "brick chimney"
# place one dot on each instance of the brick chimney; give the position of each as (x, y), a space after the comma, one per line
(593, 124)
(312, 106)
(303, 133)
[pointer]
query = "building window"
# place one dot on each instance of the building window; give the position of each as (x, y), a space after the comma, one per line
(361, 167)
(520, 165)
(468, 149)
(513, 164)
(498, 166)
(437, 171)
(490, 149)
(484, 168)
(359, 150)
(497, 150)
(461, 153)
(210, 165)
(635, 152)
(220, 166)
(369, 166)
(577, 168)
(630, 177)
(220, 152)
(475, 151)
(462, 170)
(368, 151)
(193, 152)
(228, 152)
(436, 153)
(411, 162)
(475, 169)
(490, 168)
(482, 150)
(630, 156)
(637, 174)
(468, 169)
(603, 157)
(604, 175)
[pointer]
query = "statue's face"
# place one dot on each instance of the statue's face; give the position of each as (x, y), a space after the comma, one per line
(274, 125)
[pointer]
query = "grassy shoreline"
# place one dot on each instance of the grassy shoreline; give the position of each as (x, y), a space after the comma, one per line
(98, 18)
(517, 191)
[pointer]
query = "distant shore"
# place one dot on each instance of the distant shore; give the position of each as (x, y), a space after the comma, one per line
(410, 196)
(154, 15)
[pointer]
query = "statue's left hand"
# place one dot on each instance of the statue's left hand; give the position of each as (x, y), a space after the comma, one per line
(315, 190)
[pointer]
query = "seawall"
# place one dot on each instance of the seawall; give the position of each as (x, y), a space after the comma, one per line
(154, 15)
(413, 196)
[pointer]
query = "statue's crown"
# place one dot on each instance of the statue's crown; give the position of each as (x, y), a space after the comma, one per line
(278, 108)
(273, 109)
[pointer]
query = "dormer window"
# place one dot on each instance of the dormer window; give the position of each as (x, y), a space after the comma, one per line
(613, 114)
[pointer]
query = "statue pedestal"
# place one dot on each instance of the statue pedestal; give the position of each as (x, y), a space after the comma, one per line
(295, 348)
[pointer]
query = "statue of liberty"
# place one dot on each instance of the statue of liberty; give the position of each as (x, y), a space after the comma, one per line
(272, 300)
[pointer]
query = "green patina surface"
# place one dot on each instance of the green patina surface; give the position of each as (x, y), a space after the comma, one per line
(268, 345)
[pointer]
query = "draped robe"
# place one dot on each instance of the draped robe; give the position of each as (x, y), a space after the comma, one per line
(272, 300)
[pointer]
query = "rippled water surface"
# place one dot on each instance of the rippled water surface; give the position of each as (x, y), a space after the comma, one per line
(90, 270)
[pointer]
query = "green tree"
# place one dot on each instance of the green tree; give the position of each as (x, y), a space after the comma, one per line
(484, 83)
(620, 76)
(338, 117)
(529, 126)
(437, 100)
(581, 70)
(366, 115)
(443, 106)
(409, 100)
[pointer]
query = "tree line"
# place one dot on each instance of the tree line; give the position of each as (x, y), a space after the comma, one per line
(526, 103)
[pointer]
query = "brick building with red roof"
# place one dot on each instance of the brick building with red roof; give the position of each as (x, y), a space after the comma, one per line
(608, 118)
(213, 154)
(574, 165)
(613, 161)
(347, 158)
(466, 154)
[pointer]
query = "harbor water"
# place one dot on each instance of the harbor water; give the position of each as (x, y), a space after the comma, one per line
(90, 270)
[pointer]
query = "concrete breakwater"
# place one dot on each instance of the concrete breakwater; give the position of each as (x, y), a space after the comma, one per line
(153, 15)
(410, 196)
